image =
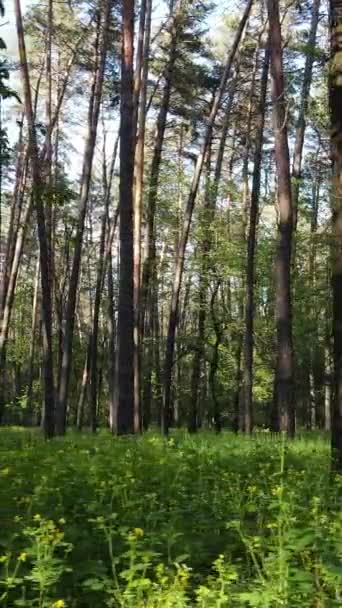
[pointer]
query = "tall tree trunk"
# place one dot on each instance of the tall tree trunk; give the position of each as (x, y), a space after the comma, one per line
(314, 314)
(94, 110)
(48, 206)
(245, 423)
(179, 263)
(83, 389)
(328, 393)
(215, 360)
(42, 236)
(147, 371)
(335, 90)
(112, 353)
(1, 162)
(284, 397)
(298, 158)
(33, 337)
(148, 267)
(95, 328)
(202, 302)
(145, 22)
(251, 244)
(156, 354)
(101, 269)
(126, 288)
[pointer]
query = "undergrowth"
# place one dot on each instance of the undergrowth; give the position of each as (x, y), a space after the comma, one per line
(206, 521)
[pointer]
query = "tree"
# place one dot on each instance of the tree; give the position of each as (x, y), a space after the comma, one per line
(174, 29)
(125, 422)
(179, 263)
(38, 186)
(251, 244)
(101, 46)
(284, 397)
(335, 92)
(139, 108)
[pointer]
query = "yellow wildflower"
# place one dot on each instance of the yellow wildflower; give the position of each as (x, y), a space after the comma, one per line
(138, 532)
(22, 557)
(59, 604)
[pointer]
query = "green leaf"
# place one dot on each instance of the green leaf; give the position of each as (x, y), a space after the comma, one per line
(95, 584)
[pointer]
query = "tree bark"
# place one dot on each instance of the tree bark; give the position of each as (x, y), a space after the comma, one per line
(112, 352)
(95, 328)
(314, 314)
(33, 337)
(83, 389)
(215, 360)
(328, 393)
(284, 396)
(335, 94)
(126, 287)
(48, 205)
(141, 93)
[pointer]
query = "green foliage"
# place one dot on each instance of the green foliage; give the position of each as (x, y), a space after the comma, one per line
(207, 521)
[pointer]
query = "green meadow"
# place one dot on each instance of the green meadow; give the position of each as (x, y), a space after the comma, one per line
(192, 521)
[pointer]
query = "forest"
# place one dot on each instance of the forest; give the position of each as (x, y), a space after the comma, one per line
(171, 303)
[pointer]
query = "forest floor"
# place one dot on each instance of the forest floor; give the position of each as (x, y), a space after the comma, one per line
(208, 521)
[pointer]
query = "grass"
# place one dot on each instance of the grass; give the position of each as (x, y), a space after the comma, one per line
(208, 521)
